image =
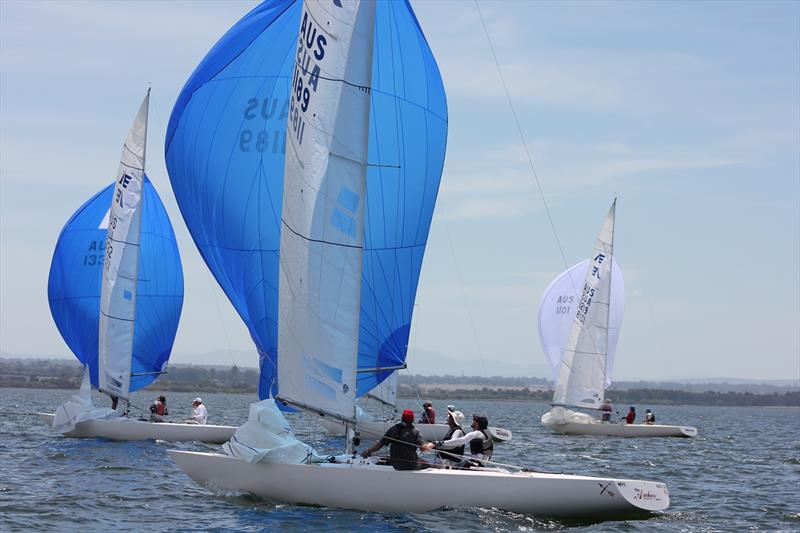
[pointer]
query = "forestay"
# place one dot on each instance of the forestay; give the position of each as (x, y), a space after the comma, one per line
(558, 307)
(121, 266)
(225, 149)
(581, 380)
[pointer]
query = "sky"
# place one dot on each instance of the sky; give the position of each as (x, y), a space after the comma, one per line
(688, 112)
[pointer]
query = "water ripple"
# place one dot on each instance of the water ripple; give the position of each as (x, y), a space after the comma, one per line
(729, 479)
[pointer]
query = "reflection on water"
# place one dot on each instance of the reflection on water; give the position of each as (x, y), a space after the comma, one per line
(743, 471)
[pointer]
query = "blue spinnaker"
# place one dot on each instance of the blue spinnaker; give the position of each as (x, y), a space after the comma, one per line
(74, 285)
(225, 149)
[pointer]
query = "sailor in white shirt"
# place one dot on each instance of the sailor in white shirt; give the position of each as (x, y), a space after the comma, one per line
(479, 440)
(199, 412)
(455, 419)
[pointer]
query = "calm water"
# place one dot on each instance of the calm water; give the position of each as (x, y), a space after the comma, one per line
(741, 473)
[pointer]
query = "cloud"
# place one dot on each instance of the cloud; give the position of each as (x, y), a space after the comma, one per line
(498, 182)
(487, 208)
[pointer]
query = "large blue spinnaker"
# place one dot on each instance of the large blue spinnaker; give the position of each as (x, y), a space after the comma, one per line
(225, 151)
(75, 279)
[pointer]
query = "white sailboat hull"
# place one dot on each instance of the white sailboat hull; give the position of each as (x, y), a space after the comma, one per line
(128, 429)
(368, 487)
(429, 432)
(623, 430)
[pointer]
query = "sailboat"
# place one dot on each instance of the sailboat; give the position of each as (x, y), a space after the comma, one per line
(585, 365)
(339, 55)
(115, 293)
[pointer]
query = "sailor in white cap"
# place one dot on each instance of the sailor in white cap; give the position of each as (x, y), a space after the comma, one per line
(455, 420)
(199, 412)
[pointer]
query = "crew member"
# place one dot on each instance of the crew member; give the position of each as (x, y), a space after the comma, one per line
(403, 440)
(479, 440)
(428, 415)
(159, 409)
(606, 410)
(454, 454)
(199, 412)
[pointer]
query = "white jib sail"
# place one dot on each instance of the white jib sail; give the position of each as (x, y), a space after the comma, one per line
(323, 207)
(581, 381)
(557, 310)
(121, 266)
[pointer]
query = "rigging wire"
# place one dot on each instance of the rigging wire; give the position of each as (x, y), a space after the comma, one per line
(527, 151)
(466, 300)
(522, 137)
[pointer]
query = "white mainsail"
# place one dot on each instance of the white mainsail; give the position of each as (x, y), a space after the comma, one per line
(581, 381)
(121, 266)
(322, 232)
(557, 310)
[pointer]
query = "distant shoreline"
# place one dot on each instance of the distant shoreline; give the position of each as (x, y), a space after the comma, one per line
(66, 375)
(631, 396)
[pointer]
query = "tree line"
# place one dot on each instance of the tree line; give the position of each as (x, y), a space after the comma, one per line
(66, 374)
(790, 398)
(57, 374)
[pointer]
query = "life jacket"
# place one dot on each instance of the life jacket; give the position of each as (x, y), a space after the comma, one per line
(452, 454)
(483, 445)
(159, 408)
(403, 446)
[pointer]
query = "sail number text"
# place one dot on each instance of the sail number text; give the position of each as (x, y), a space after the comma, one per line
(95, 253)
(112, 225)
(311, 45)
(271, 137)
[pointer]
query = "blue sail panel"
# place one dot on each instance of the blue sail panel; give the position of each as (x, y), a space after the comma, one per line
(225, 152)
(75, 278)
(408, 135)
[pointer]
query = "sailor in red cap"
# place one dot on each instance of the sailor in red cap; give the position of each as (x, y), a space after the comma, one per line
(404, 441)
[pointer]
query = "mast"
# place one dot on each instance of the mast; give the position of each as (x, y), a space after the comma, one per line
(121, 266)
(610, 284)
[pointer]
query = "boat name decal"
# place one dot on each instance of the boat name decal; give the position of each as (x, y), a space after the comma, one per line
(641, 494)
